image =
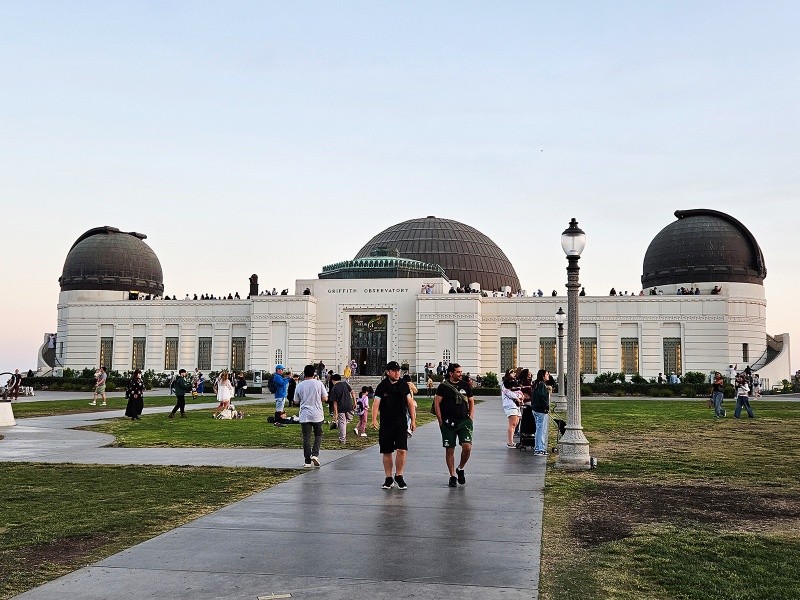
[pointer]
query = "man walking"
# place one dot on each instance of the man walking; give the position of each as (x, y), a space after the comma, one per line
(393, 399)
(172, 382)
(181, 387)
(16, 383)
(100, 386)
(310, 393)
(455, 408)
(281, 383)
(344, 400)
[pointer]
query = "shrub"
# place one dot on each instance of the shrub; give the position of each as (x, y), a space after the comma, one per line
(606, 378)
(688, 391)
(636, 378)
(586, 390)
(694, 378)
(490, 380)
(661, 392)
(111, 387)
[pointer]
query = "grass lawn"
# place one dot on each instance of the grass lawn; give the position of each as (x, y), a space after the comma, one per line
(47, 408)
(199, 430)
(682, 505)
(55, 519)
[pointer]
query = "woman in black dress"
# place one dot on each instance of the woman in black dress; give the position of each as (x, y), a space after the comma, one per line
(135, 395)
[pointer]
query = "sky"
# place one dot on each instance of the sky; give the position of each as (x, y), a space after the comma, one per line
(277, 137)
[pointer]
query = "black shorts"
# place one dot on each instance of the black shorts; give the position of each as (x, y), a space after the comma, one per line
(394, 437)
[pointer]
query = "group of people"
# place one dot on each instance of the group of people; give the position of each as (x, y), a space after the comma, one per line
(747, 384)
(394, 415)
(518, 390)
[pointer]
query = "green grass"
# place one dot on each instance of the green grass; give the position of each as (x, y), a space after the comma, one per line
(68, 407)
(57, 518)
(199, 430)
(681, 505)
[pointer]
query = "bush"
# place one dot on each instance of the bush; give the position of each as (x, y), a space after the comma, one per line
(110, 386)
(661, 392)
(490, 380)
(694, 378)
(688, 391)
(638, 379)
(586, 390)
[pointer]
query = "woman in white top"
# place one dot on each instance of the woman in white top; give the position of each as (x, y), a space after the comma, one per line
(512, 399)
(224, 392)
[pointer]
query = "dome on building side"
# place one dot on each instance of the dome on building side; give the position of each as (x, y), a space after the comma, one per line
(464, 253)
(105, 258)
(703, 246)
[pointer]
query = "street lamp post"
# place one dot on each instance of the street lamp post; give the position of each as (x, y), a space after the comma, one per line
(573, 448)
(560, 402)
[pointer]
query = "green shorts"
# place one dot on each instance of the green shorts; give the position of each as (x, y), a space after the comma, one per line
(100, 389)
(462, 431)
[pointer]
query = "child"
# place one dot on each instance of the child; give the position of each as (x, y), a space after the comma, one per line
(362, 406)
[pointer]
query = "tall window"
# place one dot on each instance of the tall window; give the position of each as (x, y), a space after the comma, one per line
(547, 354)
(746, 353)
(237, 353)
(446, 356)
(588, 355)
(508, 353)
(204, 353)
(106, 352)
(138, 353)
(630, 355)
(171, 354)
(672, 356)
(278, 357)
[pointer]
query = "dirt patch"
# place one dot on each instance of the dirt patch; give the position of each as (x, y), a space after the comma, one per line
(64, 551)
(614, 510)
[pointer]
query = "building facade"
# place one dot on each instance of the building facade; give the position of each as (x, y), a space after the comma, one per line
(393, 301)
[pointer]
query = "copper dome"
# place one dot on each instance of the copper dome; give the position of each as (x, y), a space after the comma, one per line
(105, 258)
(703, 246)
(462, 251)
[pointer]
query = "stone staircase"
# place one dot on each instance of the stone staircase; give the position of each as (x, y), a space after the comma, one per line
(360, 381)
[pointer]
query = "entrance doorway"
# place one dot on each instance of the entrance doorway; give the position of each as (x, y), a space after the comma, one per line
(368, 337)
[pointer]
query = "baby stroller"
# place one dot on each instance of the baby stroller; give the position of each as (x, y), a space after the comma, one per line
(527, 429)
(561, 427)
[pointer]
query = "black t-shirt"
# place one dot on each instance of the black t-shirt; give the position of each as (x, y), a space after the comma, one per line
(393, 401)
(451, 410)
(341, 394)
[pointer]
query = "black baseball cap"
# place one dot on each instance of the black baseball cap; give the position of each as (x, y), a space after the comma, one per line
(393, 365)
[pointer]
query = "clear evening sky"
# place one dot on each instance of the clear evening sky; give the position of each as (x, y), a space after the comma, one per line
(277, 137)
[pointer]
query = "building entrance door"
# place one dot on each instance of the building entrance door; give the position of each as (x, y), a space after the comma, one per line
(368, 337)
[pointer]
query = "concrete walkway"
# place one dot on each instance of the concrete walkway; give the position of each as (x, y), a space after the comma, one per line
(333, 532)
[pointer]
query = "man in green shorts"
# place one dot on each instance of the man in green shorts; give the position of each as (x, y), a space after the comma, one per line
(100, 386)
(455, 407)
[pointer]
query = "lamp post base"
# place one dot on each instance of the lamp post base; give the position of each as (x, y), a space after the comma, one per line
(6, 415)
(573, 452)
(560, 403)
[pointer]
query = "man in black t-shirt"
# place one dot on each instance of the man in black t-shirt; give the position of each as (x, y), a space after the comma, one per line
(392, 400)
(455, 408)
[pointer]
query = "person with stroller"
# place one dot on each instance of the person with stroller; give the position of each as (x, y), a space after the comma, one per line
(512, 400)
(540, 402)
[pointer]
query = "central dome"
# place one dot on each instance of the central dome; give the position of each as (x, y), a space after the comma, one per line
(462, 251)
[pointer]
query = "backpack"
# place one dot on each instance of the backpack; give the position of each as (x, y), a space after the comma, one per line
(271, 385)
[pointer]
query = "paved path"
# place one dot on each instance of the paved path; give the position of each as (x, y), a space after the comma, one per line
(333, 533)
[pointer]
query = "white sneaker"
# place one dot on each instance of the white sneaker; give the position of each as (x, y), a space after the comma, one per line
(104, 404)
(364, 435)
(306, 465)
(315, 460)
(92, 403)
(355, 430)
